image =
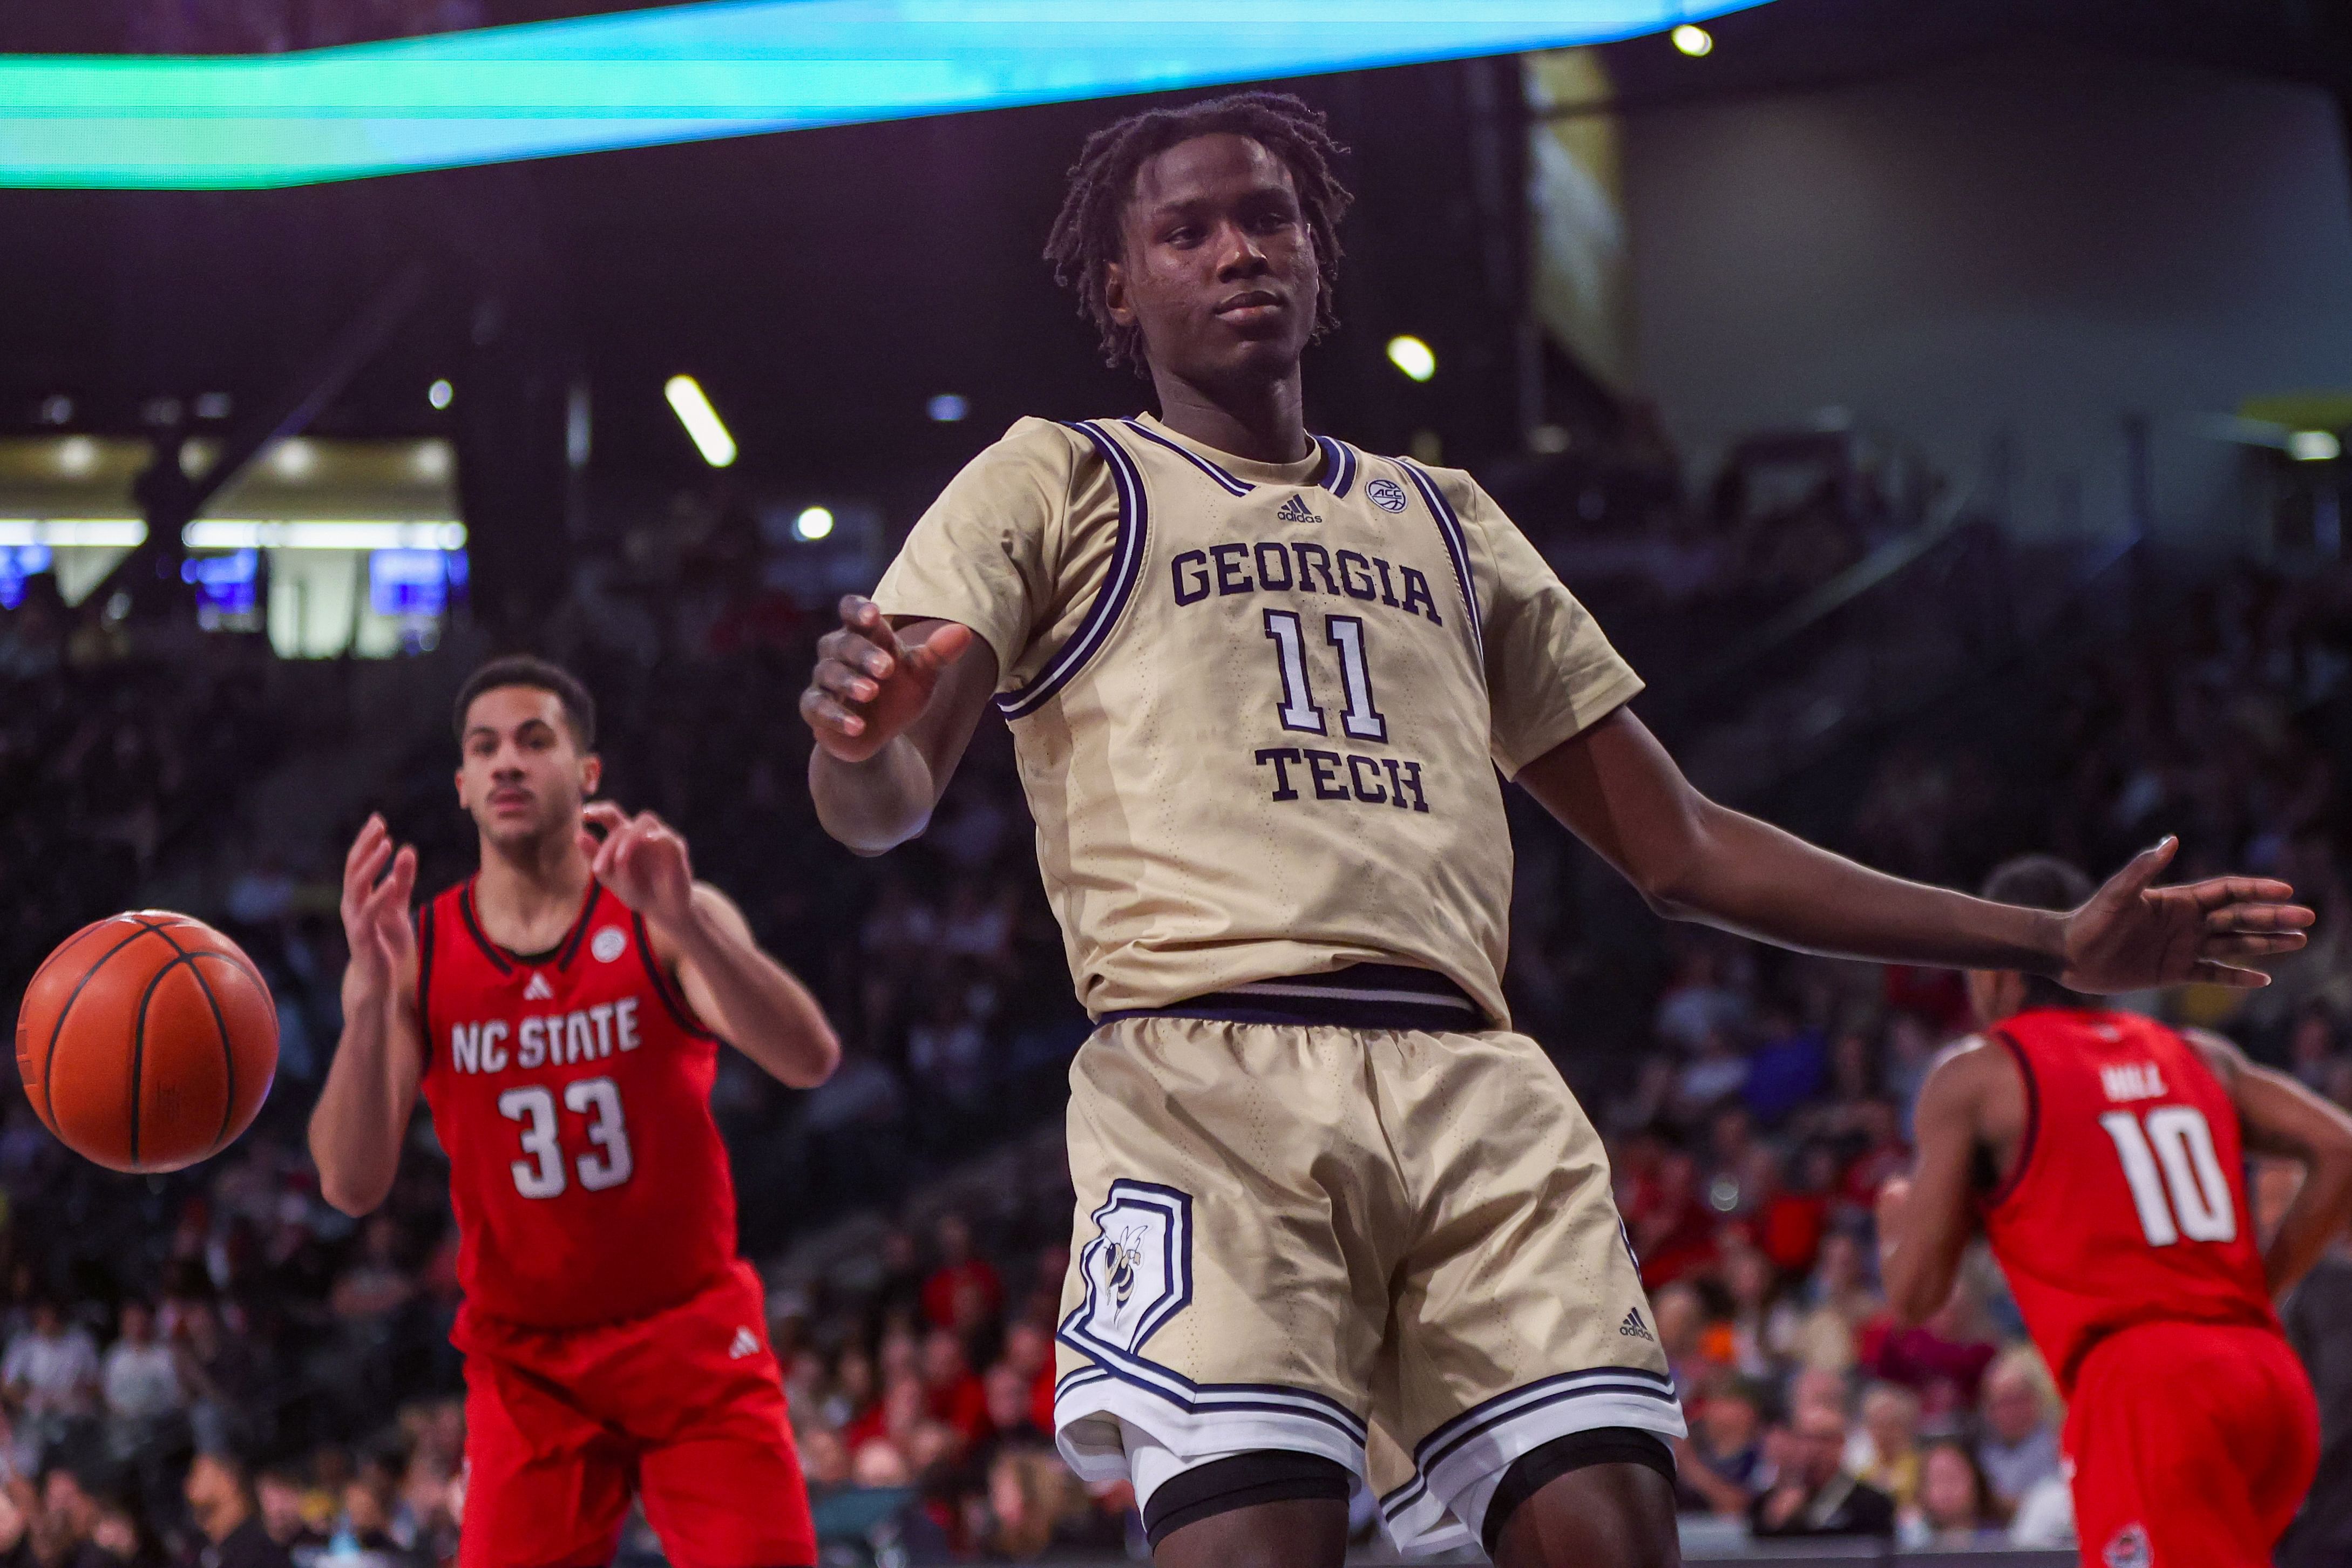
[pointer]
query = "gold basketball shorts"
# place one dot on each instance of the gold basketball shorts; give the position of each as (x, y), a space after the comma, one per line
(1299, 1231)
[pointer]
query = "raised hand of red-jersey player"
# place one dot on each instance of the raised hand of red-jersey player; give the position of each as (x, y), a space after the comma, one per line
(642, 860)
(2134, 936)
(378, 877)
(869, 683)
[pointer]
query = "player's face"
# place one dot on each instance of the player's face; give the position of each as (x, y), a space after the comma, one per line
(1218, 268)
(522, 775)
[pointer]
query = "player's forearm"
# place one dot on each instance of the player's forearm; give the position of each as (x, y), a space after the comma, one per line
(764, 1012)
(2314, 1218)
(1746, 876)
(361, 1117)
(874, 805)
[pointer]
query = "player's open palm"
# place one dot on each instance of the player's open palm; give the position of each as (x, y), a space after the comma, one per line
(869, 683)
(643, 859)
(2133, 935)
(379, 875)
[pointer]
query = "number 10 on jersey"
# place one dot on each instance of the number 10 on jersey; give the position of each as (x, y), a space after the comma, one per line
(2175, 1177)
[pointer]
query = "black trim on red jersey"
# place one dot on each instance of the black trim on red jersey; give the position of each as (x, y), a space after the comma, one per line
(678, 1011)
(571, 944)
(2001, 1194)
(424, 927)
(491, 950)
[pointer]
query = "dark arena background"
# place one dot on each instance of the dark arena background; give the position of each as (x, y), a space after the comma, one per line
(1941, 406)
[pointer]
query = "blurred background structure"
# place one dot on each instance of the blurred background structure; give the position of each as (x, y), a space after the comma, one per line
(1943, 408)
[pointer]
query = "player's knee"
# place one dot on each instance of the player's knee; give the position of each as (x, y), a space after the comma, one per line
(1224, 1487)
(1614, 1507)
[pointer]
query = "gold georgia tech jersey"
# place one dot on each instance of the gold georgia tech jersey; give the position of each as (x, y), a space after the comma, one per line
(1258, 708)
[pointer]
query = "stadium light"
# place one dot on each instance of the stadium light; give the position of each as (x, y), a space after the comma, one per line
(651, 74)
(76, 454)
(440, 394)
(813, 523)
(1414, 357)
(701, 421)
(119, 533)
(2313, 447)
(246, 533)
(1693, 41)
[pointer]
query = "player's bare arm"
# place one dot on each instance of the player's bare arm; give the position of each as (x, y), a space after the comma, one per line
(1616, 787)
(892, 708)
(2277, 1115)
(730, 981)
(1925, 1220)
(362, 1113)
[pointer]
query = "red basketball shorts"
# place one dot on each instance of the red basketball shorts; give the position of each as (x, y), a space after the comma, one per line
(684, 1409)
(2193, 1445)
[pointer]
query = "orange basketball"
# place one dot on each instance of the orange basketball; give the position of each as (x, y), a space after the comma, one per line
(147, 1040)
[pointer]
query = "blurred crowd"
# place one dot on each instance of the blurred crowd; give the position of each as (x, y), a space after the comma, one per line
(1752, 1100)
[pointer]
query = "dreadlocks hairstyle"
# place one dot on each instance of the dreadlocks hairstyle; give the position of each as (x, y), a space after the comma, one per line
(1086, 236)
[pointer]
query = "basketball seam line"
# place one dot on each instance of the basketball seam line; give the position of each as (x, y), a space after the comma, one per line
(220, 1027)
(139, 1036)
(58, 1030)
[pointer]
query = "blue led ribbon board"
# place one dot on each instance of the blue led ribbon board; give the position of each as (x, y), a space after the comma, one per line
(687, 72)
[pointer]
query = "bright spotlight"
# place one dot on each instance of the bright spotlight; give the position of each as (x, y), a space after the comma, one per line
(1693, 41)
(1414, 357)
(294, 458)
(813, 523)
(701, 421)
(947, 407)
(2313, 447)
(76, 454)
(440, 394)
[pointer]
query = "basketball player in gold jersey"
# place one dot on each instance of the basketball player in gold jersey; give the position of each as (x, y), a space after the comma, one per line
(1336, 1222)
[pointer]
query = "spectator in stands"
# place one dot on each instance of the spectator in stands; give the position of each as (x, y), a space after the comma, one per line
(2020, 1445)
(222, 1504)
(1007, 1393)
(1810, 1491)
(1885, 1451)
(1717, 1467)
(951, 1394)
(142, 1383)
(963, 1287)
(1820, 1325)
(281, 1497)
(1956, 1505)
(50, 1375)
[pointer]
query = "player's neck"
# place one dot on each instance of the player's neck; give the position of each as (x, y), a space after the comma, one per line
(526, 891)
(1264, 421)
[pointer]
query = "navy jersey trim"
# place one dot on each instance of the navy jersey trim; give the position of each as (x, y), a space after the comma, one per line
(2008, 1185)
(1528, 1397)
(1457, 547)
(425, 927)
(671, 1001)
(1231, 482)
(1363, 996)
(491, 950)
(1118, 582)
(1338, 464)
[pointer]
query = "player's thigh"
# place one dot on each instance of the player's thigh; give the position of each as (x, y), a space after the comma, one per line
(545, 1487)
(1227, 1290)
(1520, 1314)
(730, 1497)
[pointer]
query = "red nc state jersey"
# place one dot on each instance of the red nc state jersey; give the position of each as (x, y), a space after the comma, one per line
(572, 1090)
(2129, 1203)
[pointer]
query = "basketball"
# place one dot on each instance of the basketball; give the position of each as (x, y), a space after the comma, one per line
(147, 1040)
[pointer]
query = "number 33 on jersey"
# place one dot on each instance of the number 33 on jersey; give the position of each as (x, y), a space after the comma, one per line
(571, 1090)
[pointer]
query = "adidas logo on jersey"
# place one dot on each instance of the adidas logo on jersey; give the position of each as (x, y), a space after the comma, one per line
(538, 990)
(746, 1343)
(1295, 510)
(1635, 1328)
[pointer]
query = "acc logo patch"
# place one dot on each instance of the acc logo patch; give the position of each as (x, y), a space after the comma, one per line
(1387, 494)
(1139, 1269)
(608, 943)
(2129, 1548)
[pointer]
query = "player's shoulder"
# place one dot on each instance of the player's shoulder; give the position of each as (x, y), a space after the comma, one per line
(1971, 1063)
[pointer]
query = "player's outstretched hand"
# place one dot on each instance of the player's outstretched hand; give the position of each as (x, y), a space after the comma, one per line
(378, 877)
(869, 683)
(641, 859)
(2134, 936)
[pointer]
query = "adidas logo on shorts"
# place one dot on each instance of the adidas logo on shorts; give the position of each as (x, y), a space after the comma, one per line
(746, 1343)
(1295, 510)
(1635, 1328)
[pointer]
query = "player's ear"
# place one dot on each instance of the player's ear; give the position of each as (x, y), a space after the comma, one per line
(1115, 293)
(592, 774)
